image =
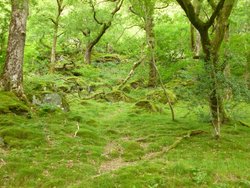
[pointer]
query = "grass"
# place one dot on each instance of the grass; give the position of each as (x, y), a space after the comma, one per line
(109, 149)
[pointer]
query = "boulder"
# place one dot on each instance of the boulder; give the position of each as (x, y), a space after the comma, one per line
(52, 99)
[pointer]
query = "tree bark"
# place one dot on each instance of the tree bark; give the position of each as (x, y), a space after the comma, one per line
(150, 37)
(195, 35)
(90, 45)
(12, 77)
(54, 44)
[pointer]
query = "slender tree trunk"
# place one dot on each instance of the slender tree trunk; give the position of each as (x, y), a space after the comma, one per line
(149, 22)
(226, 68)
(56, 21)
(215, 98)
(12, 78)
(53, 49)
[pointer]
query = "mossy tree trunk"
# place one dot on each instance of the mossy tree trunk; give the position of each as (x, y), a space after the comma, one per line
(12, 77)
(144, 9)
(211, 48)
(91, 44)
(150, 37)
(195, 35)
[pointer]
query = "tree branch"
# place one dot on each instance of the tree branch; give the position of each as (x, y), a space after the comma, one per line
(95, 13)
(210, 22)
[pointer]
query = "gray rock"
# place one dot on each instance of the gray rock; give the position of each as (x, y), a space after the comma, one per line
(56, 100)
(53, 99)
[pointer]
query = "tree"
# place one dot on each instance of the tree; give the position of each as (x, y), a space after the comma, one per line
(60, 8)
(145, 10)
(211, 46)
(104, 25)
(12, 76)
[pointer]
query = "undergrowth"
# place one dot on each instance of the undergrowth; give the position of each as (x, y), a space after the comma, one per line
(105, 143)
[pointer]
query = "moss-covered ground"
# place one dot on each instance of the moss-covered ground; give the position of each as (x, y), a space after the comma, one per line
(113, 143)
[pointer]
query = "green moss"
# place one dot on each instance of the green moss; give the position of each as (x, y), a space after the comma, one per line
(21, 137)
(11, 104)
(132, 151)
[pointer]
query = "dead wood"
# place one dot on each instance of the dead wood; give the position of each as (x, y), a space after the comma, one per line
(174, 145)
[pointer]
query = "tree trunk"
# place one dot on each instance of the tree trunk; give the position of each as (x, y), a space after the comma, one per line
(12, 76)
(90, 45)
(53, 49)
(87, 55)
(195, 35)
(60, 9)
(195, 42)
(215, 99)
(149, 22)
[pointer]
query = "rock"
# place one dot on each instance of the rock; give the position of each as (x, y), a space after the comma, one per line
(159, 96)
(52, 99)
(147, 105)
(35, 100)
(57, 100)
(116, 96)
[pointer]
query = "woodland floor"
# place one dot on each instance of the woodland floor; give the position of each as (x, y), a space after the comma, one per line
(101, 143)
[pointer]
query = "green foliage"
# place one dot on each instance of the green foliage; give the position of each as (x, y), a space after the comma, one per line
(109, 140)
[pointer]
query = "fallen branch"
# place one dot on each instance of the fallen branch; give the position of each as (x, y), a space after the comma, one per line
(94, 96)
(174, 145)
(78, 128)
(131, 73)
(244, 124)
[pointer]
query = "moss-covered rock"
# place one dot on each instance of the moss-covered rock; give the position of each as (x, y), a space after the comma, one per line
(116, 96)
(159, 96)
(147, 105)
(11, 104)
